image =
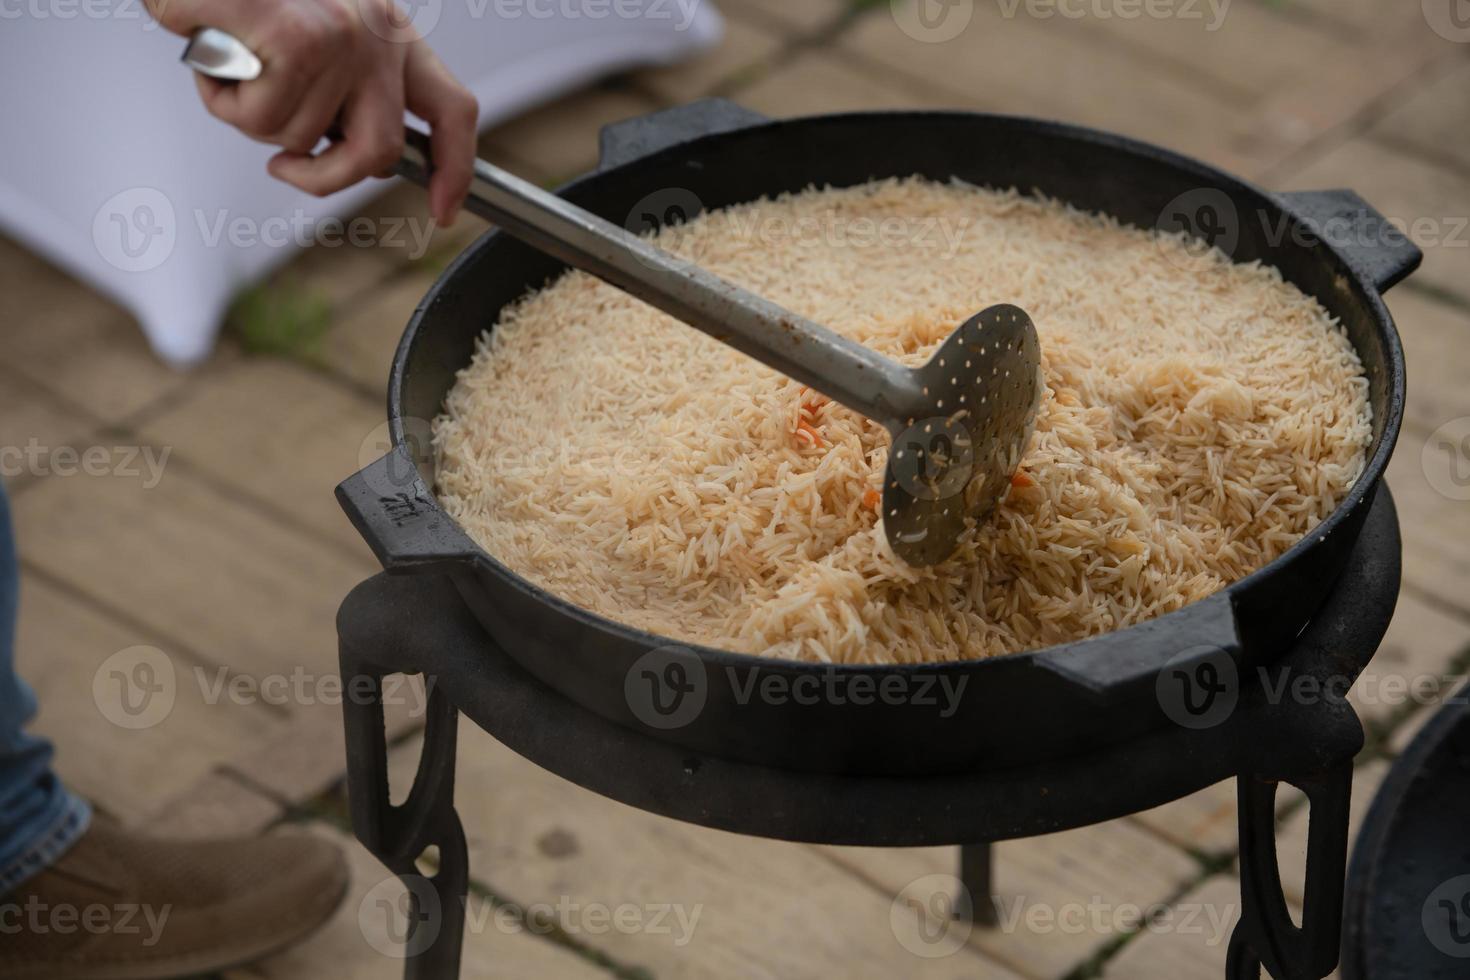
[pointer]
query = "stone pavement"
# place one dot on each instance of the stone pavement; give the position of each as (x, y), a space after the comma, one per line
(211, 549)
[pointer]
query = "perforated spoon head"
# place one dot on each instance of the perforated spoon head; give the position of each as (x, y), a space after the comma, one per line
(954, 459)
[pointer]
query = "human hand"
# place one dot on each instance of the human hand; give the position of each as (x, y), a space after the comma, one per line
(343, 62)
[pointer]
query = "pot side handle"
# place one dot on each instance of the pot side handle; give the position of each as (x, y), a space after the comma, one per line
(628, 140)
(1187, 661)
(1372, 245)
(399, 518)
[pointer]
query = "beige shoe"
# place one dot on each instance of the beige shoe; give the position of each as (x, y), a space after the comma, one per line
(122, 907)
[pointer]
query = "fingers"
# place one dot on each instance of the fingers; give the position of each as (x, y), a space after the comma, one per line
(318, 111)
(372, 143)
(452, 113)
(181, 17)
(311, 51)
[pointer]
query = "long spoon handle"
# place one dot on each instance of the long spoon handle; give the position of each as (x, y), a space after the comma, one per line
(799, 348)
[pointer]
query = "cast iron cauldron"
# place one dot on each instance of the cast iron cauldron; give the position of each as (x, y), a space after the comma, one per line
(1014, 710)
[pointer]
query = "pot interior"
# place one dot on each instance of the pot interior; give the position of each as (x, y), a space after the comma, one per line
(1097, 172)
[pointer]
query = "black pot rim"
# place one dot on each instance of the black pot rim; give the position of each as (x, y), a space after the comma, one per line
(1365, 292)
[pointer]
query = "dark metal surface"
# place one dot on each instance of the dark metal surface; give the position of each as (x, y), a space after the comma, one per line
(414, 625)
(1266, 937)
(954, 458)
(1017, 710)
(1408, 914)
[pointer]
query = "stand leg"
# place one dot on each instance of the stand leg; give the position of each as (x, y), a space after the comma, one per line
(1266, 937)
(976, 900)
(397, 835)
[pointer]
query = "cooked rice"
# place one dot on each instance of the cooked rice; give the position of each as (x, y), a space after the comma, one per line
(1200, 417)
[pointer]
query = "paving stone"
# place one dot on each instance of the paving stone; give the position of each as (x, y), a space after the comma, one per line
(1330, 99)
(204, 570)
(1436, 340)
(1374, 19)
(1190, 943)
(278, 765)
(800, 18)
(1205, 821)
(361, 346)
(63, 336)
(1414, 664)
(1245, 50)
(744, 46)
(560, 139)
(342, 272)
(83, 663)
(765, 908)
(1435, 118)
(818, 83)
(1027, 67)
(1431, 202)
(1410, 727)
(33, 423)
(1434, 526)
(1291, 837)
(217, 805)
(1044, 885)
(283, 433)
(352, 942)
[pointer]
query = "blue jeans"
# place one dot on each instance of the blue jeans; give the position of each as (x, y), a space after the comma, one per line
(39, 818)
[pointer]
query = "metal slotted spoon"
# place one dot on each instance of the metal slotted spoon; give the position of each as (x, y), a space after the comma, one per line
(959, 423)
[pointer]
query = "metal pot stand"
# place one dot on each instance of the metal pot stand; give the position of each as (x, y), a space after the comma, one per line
(417, 623)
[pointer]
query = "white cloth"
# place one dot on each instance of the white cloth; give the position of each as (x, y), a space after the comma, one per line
(112, 168)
